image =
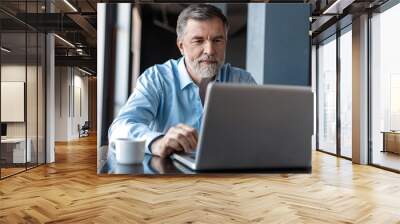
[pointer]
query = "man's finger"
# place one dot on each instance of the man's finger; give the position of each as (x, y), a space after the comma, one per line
(191, 131)
(188, 137)
(183, 141)
(174, 144)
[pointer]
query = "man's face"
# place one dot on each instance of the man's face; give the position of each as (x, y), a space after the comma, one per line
(203, 46)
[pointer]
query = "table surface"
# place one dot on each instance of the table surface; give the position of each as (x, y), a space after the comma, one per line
(391, 132)
(13, 140)
(156, 165)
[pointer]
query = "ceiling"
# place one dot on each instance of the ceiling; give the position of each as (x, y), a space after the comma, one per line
(75, 22)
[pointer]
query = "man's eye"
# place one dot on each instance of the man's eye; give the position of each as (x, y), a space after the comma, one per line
(218, 40)
(197, 41)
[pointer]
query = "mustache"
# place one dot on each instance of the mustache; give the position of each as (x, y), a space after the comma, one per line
(206, 58)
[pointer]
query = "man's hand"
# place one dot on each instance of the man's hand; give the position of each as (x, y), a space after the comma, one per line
(179, 138)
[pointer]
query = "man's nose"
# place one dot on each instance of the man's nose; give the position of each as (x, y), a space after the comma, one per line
(209, 48)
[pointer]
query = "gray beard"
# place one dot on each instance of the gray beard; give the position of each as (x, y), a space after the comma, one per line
(206, 70)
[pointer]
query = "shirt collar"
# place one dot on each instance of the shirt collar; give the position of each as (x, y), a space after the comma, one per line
(184, 77)
(218, 78)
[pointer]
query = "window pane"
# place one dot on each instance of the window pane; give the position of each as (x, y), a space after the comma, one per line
(386, 88)
(327, 96)
(346, 94)
(22, 87)
(14, 152)
(31, 97)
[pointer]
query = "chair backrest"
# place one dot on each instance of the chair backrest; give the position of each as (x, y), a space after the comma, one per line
(86, 125)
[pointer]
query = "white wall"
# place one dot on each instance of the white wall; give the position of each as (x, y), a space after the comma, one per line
(61, 103)
(12, 73)
(79, 117)
(71, 94)
(33, 127)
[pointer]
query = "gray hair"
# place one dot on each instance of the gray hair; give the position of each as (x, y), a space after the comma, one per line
(199, 12)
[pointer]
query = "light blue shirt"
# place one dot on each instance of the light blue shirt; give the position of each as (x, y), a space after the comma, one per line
(165, 96)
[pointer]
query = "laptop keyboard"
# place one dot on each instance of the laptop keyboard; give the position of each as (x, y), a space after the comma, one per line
(188, 155)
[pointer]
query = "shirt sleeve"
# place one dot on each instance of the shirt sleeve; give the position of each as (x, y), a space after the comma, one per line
(134, 118)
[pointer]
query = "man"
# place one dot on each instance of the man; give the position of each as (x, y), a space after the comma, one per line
(166, 106)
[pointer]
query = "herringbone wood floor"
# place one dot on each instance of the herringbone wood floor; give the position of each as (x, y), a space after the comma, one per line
(69, 191)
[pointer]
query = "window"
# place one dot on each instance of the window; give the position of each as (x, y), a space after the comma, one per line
(22, 77)
(327, 95)
(334, 106)
(346, 92)
(385, 88)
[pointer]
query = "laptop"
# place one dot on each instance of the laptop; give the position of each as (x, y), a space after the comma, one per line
(250, 127)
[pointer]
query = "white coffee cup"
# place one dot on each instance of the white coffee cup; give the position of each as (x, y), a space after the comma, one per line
(128, 151)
